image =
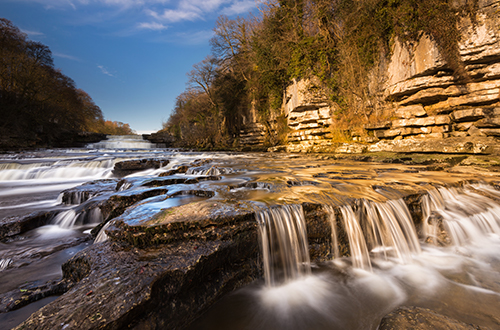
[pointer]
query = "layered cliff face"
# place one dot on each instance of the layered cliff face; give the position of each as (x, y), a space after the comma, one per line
(422, 100)
(426, 101)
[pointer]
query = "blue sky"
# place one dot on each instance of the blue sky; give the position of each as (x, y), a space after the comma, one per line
(130, 56)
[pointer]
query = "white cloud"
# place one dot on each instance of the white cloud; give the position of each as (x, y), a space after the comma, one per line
(105, 71)
(240, 7)
(32, 34)
(177, 15)
(69, 57)
(155, 15)
(191, 10)
(155, 26)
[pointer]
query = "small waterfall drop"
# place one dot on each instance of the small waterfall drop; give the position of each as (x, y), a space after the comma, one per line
(468, 214)
(70, 218)
(379, 229)
(123, 142)
(102, 236)
(284, 244)
(56, 170)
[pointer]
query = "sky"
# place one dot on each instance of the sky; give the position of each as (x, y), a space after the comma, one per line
(130, 56)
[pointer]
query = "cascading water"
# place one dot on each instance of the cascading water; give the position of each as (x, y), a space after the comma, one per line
(386, 265)
(467, 215)
(382, 229)
(123, 142)
(389, 265)
(284, 244)
(70, 218)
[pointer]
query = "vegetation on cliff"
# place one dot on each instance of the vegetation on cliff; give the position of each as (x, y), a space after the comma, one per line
(39, 105)
(255, 58)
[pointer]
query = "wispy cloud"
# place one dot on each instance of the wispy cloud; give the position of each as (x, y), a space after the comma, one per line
(66, 56)
(195, 38)
(192, 10)
(151, 15)
(240, 7)
(176, 15)
(32, 34)
(105, 71)
(155, 26)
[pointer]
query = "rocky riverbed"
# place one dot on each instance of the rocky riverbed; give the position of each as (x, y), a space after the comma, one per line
(171, 245)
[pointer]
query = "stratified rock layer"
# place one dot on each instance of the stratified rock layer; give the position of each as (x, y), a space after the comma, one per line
(421, 98)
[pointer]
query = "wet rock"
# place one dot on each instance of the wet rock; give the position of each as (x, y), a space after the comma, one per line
(422, 319)
(130, 166)
(173, 180)
(29, 293)
(440, 236)
(86, 191)
(204, 220)
(117, 203)
(177, 170)
(163, 287)
(12, 226)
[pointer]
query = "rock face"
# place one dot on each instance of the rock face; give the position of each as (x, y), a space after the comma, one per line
(427, 102)
(160, 138)
(252, 135)
(422, 99)
(307, 111)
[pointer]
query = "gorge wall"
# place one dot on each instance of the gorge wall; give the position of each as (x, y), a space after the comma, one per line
(424, 107)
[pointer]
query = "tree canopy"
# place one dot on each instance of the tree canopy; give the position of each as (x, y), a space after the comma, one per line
(38, 103)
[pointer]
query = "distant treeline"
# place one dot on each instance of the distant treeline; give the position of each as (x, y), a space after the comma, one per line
(339, 42)
(39, 105)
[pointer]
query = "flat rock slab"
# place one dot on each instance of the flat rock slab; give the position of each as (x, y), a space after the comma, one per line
(447, 146)
(130, 166)
(205, 220)
(118, 286)
(418, 318)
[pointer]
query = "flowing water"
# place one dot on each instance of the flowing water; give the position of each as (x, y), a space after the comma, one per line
(391, 262)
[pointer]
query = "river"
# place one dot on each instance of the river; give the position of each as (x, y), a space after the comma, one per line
(394, 265)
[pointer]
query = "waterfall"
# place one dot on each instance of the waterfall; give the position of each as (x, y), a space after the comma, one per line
(467, 214)
(123, 142)
(284, 244)
(56, 170)
(70, 218)
(357, 243)
(381, 229)
(4, 263)
(378, 229)
(102, 236)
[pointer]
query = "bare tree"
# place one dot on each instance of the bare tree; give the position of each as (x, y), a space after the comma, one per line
(203, 75)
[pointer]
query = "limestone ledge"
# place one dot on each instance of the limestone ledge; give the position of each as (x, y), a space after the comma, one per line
(416, 67)
(451, 145)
